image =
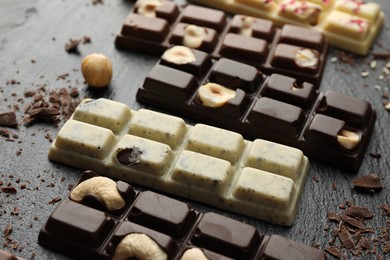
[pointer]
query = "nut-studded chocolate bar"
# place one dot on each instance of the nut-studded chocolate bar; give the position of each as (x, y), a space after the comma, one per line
(329, 126)
(147, 225)
(208, 164)
(292, 50)
(348, 24)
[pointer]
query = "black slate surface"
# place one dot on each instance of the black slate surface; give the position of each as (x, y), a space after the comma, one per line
(33, 34)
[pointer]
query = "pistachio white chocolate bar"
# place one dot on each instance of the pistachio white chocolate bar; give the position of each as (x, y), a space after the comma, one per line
(349, 24)
(261, 179)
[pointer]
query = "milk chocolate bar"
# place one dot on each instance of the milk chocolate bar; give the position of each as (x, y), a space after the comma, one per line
(292, 50)
(147, 225)
(348, 24)
(329, 126)
(260, 179)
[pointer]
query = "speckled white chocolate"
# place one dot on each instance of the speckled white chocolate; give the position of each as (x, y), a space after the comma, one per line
(158, 127)
(216, 142)
(101, 113)
(208, 164)
(205, 172)
(263, 187)
(276, 158)
(312, 14)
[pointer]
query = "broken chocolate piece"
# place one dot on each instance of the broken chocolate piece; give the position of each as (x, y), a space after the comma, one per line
(352, 222)
(368, 183)
(346, 238)
(8, 119)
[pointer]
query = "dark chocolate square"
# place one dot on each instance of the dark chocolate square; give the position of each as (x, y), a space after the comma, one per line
(170, 82)
(148, 28)
(356, 112)
(247, 49)
(300, 36)
(233, 75)
(205, 17)
(226, 236)
(276, 115)
(289, 90)
(155, 211)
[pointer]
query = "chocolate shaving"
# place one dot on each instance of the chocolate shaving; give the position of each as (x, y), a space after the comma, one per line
(4, 133)
(332, 216)
(375, 155)
(346, 238)
(358, 212)
(8, 119)
(8, 189)
(368, 183)
(352, 222)
(386, 208)
(333, 251)
(54, 200)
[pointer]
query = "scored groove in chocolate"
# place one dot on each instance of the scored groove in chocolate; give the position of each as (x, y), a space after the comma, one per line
(83, 232)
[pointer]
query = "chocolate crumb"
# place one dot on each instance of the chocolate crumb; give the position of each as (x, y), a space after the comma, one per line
(334, 186)
(95, 2)
(8, 189)
(72, 46)
(86, 39)
(8, 230)
(4, 133)
(332, 216)
(383, 55)
(54, 200)
(315, 178)
(386, 208)
(15, 212)
(368, 183)
(8, 119)
(375, 155)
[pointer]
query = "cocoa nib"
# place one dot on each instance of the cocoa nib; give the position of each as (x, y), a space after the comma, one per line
(8, 119)
(368, 183)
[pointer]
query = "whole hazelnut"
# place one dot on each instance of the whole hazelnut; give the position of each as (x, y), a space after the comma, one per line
(97, 70)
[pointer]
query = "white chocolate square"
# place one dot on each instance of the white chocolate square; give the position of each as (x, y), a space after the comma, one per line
(159, 127)
(266, 5)
(103, 112)
(85, 139)
(202, 171)
(369, 11)
(300, 11)
(276, 158)
(145, 155)
(265, 188)
(348, 25)
(216, 142)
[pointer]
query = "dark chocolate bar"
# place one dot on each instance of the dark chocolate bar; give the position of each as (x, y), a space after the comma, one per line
(292, 50)
(155, 226)
(329, 126)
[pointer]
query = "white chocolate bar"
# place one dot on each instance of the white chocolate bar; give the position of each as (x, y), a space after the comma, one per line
(321, 15)
(261, 179)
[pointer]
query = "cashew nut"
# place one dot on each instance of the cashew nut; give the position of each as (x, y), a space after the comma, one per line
(139, 246)
(194, 254)
(102, 187)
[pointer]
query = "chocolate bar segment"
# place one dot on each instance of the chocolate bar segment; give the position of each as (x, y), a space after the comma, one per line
(160, 227)
(243, 38)
(198, 162)
(275, 107)
(348, 24)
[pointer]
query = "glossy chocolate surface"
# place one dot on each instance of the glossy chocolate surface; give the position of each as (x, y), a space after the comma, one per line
(86, 233)
(246, 39)
(281, 109)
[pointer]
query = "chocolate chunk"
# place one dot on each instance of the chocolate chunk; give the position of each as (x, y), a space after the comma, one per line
(333, 251)
(332, 216)
(352, 222)
(358, 212)
(72, 46)
(8, 119)
(368, 183)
